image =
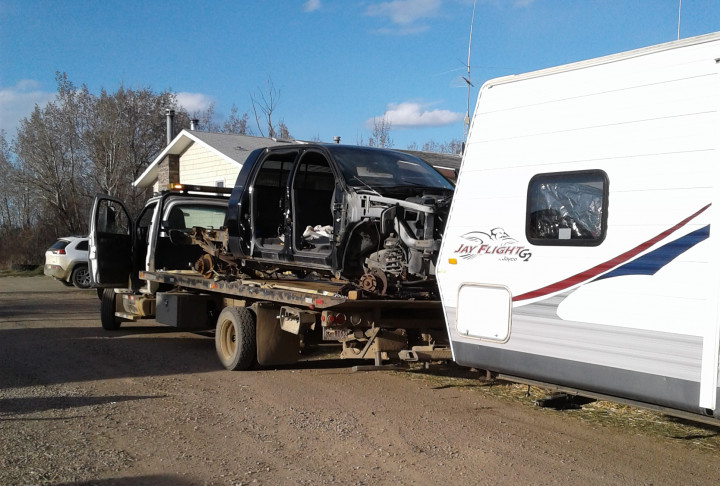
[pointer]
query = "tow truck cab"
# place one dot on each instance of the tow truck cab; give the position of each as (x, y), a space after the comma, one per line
(120, 246)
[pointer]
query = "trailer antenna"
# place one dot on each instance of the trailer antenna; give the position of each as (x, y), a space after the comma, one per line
(466, 123)
(679, 12)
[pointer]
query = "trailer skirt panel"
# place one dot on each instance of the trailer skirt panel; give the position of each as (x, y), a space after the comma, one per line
(631, 385)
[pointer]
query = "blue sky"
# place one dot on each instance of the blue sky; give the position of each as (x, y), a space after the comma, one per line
(337, 64)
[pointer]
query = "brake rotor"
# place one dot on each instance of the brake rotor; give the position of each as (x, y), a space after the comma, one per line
(374, 282)
(204, 265)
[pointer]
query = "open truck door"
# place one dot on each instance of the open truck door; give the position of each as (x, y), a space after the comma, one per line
(111, 243)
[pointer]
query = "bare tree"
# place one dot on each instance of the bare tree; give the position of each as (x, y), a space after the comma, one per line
(283, 132)
(6, 203)
(53, 158)
(454, 146)
(431, 146)
(264, 104)
(17, 214)
(206, 118)
(235, 124)
(127, 130)
(380, 136)
(80, 144)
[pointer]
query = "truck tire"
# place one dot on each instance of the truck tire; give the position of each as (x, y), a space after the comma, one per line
(80, 277)
(235, 338)
(107, 311)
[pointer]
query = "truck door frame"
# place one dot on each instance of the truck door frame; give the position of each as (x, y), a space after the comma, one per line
(111, 241)
(276, 246)
(323, 253)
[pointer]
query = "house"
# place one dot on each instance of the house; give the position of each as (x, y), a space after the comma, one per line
(447, 164)
(215, 159)
(204, 158)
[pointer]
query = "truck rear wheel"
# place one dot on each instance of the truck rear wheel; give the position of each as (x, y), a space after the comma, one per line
(235, 338)
(107, 311)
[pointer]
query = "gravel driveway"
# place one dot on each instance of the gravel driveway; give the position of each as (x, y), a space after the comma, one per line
(145, 405)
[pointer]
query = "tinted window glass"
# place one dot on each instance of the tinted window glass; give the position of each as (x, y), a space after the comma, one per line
(567, 208)
(314, 173)
(112, 219)
(82, 246)
(145, 218)
(59, 245)
(274, 171)
(386, 168)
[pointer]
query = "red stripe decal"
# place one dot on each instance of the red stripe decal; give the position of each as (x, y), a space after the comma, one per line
(604, 267)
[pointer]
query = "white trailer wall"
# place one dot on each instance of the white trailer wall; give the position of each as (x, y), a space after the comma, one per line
(650, 120)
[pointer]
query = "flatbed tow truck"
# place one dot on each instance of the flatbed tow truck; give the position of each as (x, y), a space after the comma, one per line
(282, 315)
(267, 284)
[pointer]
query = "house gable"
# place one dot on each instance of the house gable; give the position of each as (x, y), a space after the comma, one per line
(202, 166)
(205, 158)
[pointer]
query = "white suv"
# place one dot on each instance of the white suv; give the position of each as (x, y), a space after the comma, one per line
(67, 261)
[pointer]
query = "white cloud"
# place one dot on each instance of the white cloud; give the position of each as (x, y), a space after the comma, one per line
(193, 102)
(412, 114)
(311, 5)
(405, 12)
(18, 102)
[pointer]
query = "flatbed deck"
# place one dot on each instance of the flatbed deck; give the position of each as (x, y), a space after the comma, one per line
(314, 294)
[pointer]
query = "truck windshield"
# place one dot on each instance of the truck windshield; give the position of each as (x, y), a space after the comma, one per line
(386, 168)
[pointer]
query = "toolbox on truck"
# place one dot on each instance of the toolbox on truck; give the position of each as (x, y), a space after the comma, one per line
(186, 310)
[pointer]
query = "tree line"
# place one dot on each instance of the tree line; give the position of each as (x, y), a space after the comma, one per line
(82, 143)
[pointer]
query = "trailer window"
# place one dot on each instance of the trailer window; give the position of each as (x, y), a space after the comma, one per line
(567, 208)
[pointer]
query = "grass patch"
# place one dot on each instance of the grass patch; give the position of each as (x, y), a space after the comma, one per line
(601, 413)
(21, 272)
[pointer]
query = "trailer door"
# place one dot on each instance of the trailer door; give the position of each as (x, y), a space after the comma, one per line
(484, 312)
(110, 251)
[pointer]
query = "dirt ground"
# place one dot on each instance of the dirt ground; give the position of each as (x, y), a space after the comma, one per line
(145, 405)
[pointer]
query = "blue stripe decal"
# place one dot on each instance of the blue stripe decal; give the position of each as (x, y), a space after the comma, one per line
(650, 263)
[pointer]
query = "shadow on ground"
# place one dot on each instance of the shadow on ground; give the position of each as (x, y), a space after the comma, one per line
(25, 405)
(56, 355)
(151, 480)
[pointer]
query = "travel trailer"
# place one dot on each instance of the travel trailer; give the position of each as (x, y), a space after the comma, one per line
(580, 249)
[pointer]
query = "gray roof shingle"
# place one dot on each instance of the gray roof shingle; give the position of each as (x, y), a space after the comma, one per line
(236, 147)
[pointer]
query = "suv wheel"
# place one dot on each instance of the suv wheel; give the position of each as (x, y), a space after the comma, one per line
(80, 277)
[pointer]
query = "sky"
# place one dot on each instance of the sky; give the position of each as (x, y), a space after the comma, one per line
(337, 64)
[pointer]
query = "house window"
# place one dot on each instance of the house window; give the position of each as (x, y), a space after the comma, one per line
(567, 208)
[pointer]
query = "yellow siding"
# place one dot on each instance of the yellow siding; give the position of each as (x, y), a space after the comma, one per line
(198, 165)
